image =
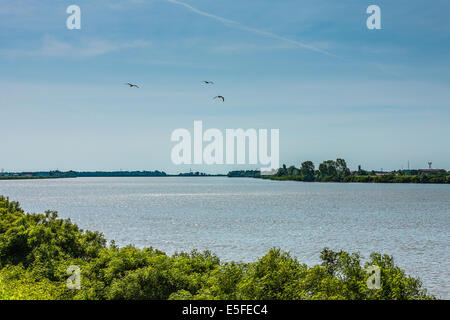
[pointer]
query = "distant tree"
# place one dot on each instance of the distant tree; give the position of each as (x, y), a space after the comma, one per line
(328, 168)
(293, 171)
(282, 171)
(341, 167)
(307, 170)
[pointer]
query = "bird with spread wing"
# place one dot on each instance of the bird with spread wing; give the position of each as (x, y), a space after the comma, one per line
(132, 85)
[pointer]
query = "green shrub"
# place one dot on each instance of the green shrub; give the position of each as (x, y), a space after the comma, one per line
(37, 249)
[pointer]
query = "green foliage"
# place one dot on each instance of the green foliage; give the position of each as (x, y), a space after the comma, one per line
(337, 171)
(37, 249)
(307, 171)
(328, 169)
(40, 242)
(16, 283)
(272, 276)
(244, 174)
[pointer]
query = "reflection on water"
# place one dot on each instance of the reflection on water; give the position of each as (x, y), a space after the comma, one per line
(240, 219)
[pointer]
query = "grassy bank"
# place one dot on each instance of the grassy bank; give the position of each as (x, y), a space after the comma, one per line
(37, 249)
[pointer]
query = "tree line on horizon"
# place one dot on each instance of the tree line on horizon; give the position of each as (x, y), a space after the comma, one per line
(76, 174)
(338, 171)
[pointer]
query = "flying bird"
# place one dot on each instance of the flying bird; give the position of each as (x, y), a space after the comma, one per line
(208, 82)
(220, 97)
(132, 85)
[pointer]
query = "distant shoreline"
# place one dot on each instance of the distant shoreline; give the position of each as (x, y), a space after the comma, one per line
(225, 176)
(21, 177)
(328, 171)
(167, 176)
(32, 178)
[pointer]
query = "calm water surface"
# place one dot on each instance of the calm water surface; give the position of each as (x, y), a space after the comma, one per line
(240, 219)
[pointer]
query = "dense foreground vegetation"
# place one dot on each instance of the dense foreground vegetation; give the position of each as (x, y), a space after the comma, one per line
(37, 249)
(337, 171)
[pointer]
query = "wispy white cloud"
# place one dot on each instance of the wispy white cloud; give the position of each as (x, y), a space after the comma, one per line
(239, 25)
(52, 47)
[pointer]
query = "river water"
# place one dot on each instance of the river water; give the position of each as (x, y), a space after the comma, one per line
(240, 218)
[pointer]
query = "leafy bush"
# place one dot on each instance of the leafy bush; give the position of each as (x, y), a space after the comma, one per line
(37, 249)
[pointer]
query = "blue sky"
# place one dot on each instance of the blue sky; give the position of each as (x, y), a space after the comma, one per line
(308, 68)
